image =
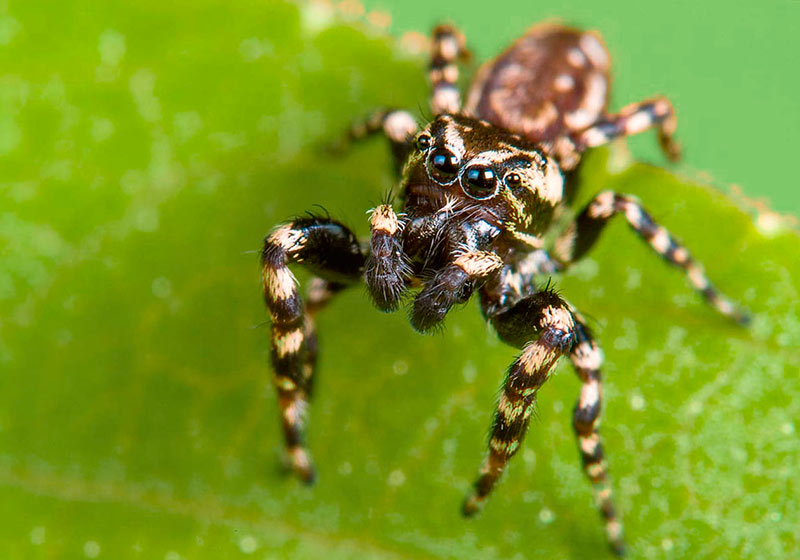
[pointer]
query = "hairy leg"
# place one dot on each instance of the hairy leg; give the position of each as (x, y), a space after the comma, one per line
(318, 294)
(331, 251)
(448, 47)
(517, 280)
(386, 269)
(543, 325)
(587, 358)
(633, 119)
(452, 284)
(583, 233)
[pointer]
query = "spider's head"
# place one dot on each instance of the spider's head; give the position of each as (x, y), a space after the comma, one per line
(476, 165)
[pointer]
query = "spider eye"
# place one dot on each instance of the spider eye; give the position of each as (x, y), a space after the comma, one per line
(444, 164)
(479, 182)
(423, 142)
(513, 180)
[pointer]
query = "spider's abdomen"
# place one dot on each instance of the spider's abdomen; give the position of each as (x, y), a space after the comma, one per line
(551, 82)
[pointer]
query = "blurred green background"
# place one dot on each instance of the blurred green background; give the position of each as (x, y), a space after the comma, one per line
(145, 150)
(729, 67)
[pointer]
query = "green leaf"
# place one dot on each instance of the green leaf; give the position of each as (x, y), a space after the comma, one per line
(146, 148)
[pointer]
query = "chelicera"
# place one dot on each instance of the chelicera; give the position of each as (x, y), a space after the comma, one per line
(480, 185)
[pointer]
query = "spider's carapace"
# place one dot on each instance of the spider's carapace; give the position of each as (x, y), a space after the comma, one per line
(480, 185)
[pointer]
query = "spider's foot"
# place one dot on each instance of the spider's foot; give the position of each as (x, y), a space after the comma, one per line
(428, 313)
(307, 476)
(726, 307)
(334, 148)
(744, 319)
(298, 461)
(450, 287)
(618, 549)
(473, 504)
(615, 539)
(671, 148)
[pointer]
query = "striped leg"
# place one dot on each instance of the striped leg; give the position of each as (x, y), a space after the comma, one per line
(582, 234)
(633, 119)
(545, 319)
(448, 47)
(587, 358)
(398, 126)
(330, 250)
(319, 293)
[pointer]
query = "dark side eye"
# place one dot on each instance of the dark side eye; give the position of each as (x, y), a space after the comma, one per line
(444, 164)
(423, 142)
(513, 180)
(479, 182)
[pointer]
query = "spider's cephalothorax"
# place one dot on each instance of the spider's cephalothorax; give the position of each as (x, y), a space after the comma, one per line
(480, 185)
(473, 193)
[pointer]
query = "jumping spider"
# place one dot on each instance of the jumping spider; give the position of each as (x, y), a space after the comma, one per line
(480, 186)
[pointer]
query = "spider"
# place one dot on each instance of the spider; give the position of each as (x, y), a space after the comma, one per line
(480, 186)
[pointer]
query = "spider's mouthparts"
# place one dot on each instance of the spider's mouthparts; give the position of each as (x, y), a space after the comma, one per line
(428, 191)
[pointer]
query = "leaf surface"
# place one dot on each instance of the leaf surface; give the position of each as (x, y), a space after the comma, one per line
(145, 150)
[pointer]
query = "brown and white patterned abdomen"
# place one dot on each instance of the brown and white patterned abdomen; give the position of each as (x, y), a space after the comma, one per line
(552, 82)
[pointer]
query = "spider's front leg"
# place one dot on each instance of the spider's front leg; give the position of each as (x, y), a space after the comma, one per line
(387, 269)
(332, 252)
(452, 285)
(543, 326)
(633, 119)
(583, 233)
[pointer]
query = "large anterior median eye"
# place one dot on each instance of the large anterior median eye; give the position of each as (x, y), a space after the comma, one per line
(443, 165)
(479, 181)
